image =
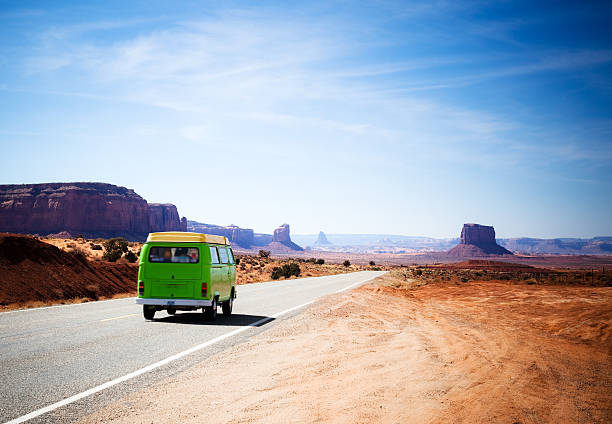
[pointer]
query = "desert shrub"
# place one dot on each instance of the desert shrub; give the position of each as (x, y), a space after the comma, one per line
(372, 263)
(320, 261)
(130, 256)
(237, 260)
(115, 247)
(71, 245)
(95, 246)
(264, 253)
(112, 255)
(79, 254)
(504, 277)
(418, 271)
(376, 268)
(464, 280)
(79, 236)
(346, 263)
(276, 273)
(286, 270)
(312, 260)
(530, 282)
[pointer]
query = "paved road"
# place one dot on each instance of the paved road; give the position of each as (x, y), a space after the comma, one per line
(50, 354)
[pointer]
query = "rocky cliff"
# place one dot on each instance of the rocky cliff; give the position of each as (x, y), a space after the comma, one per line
(281, 239)
(165, 216)
(477, 240)
(559, 246)
(91, 209)
(243, 237)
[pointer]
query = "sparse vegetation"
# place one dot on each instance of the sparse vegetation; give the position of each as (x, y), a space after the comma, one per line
(264, 253)
(320, 261)
(346, 263)
(372, 263)
(130, 256)
(115, 248)
(286, 270)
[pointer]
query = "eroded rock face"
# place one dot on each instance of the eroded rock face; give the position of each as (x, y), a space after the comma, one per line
(477, 240)
(165, 217)
(281, 234)
(245, 237)
(241, 236)
(91, 209)
(281, 239)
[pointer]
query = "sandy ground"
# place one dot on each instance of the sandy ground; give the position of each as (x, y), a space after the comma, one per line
(469, 353)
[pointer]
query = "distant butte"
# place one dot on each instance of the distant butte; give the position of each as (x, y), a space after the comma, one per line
(477, 240)
(322, 239)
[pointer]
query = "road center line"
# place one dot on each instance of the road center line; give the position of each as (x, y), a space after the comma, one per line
(123, 316)
(161, 363)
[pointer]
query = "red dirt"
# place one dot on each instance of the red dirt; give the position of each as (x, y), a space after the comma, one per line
(34, 271)
(490, 266)
(482, 352)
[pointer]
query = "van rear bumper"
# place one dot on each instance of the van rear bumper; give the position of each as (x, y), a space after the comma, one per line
(173, 302)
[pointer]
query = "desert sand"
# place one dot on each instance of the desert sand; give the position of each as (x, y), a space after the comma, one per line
(404, 351)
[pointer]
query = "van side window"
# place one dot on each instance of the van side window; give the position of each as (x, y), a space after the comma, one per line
(214, 256)
(223, 254)
(230, 253)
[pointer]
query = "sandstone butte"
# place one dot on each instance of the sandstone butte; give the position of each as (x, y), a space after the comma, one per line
(322, 239)
(477, 240)
(90, 209)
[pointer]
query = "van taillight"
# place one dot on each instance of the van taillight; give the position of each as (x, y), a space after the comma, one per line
(141, 287)
(204, 290)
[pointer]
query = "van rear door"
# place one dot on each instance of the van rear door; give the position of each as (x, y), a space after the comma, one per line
(174, 271)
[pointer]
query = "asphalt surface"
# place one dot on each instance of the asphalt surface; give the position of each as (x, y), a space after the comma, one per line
(50, 354)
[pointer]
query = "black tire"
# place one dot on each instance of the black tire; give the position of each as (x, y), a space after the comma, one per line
(148, 311)
(210, 312)
(227, 306)
(171, 311)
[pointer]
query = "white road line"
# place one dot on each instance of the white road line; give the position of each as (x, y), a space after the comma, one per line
(121, 317)
(163, 362)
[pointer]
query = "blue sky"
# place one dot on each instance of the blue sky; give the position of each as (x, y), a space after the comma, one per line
(349, 117)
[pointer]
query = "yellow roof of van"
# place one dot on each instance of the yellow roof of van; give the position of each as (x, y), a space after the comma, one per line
(181, 236)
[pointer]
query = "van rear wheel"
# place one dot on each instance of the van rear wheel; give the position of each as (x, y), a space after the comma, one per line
(210, 312)
(227, 306)
(148, 311)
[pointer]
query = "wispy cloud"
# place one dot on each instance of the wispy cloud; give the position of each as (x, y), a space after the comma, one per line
(237, 68)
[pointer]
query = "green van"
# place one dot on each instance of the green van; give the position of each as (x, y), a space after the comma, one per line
(181, 271)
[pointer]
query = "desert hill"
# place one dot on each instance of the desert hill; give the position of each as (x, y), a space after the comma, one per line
(31, 270)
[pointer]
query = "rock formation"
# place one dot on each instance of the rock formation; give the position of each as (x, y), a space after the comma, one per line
(281, 234)
(165, 216)
(322, 239)
(91, 209)
(243, 237)
(477, 240)
(281, 240)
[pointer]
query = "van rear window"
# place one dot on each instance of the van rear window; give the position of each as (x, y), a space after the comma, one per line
(167, 255)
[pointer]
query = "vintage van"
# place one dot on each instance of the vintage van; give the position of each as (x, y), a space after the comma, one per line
(181, 271)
